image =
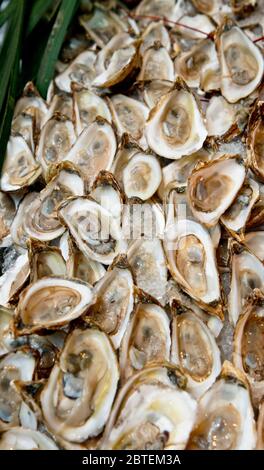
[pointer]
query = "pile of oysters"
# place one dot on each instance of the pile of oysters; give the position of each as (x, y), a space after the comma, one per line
(132, 235)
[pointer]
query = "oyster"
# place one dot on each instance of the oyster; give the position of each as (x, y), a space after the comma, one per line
(147, 339)
(220, 118)
(164, 8)
(248, 344)
(153, 90)
(94, 229)
(155, 32)
(212, 187)
(56, 139)
(20, 169)
(175, 126)
(51, 302)
(191, 259)
(196, 27)
(31, 104)
(225, 419)
(156, 64)
(236, 216)
(254, 241)
(114, 301)
(260, 428)
(42, 222)
(80, 71)
(45, 261)
(129, 116)
(87, 106)
(241, 62)
(14, 271)
(152, 411)
(115, 61)
(247, 273)
(141, 176)
(195, 351)
(20, 438)
(255, 140)
(94, 149)
(18, 232)
(78, 396)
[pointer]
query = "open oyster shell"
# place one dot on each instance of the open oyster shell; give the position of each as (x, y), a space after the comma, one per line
(78, 396)
(152, 410)
(225, 419)
(175, 126)
(19, 438)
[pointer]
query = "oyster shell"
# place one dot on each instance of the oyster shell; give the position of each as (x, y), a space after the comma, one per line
(7, 214)
(247, 273)
(153, 90)
(82, 387)
(147, 339)
(154, 32)
(87, 106)
(51, 302)
(156, 64)
(151, 411)
(260, 427)
(175, 126)
(195, 351)
(255, 140)
(81, 71)
(248, 339)
(225, 419)
(141, 176)
(94, 229)
(20, 169)
(254, 241)
(45, 261)
(241, 62)
(14, 272)
(114, 301)
(212, 187)
(191, 260)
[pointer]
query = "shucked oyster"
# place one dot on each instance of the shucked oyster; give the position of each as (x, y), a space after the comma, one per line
(51, 302)
(241, 62)
(175, 126)
(212, 187)
(152, 411)
(225, 419)
(78, 396)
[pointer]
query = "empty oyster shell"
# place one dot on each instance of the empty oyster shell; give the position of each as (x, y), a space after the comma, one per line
(191, 259)
(151, 411)
(115, 61)
(195, 351)
(61, 104)
(147, 339)
(153, 90)
(18, 232)
(107, 192)
(213, 186)
(164, 8)
(41, 220)
(81, 71)
(114, 301)
(220, 117)
(56, 139)
(129, 116)
(248, 338)
(94, 229)
(260, 428)
(20, 438)
(247, 273)
(155, 32)
(87, 106)
(94, 149)
(78, 396)
(31, 104)
(51, 302)
(20, 168)
(156, 64)
(236, 216)
(141, 176)
(148, 263)
(24, 125)
(175, 126)
(200, 62)
(201, 25)
(45, 261)
(241, 62)
(225, 419)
